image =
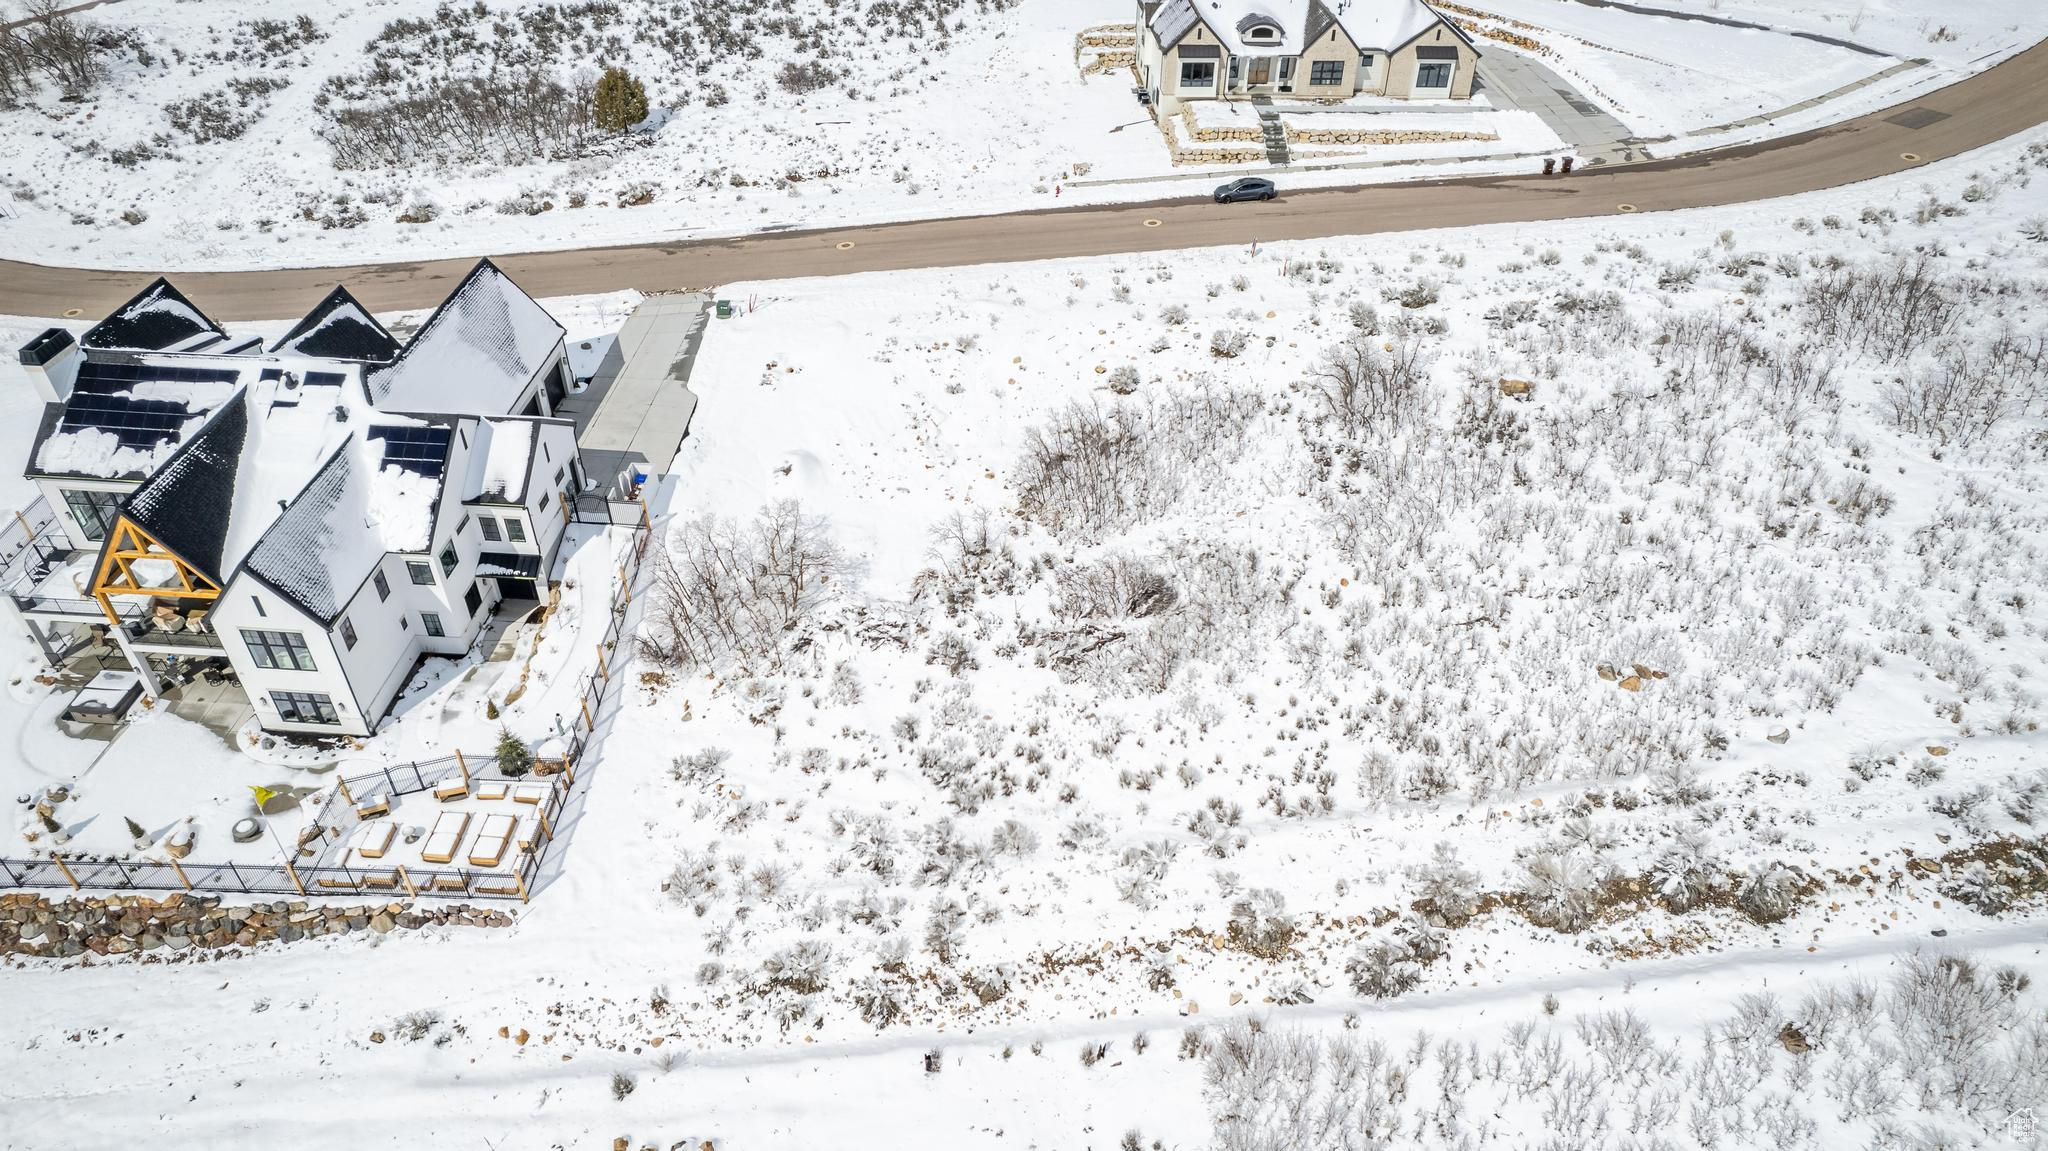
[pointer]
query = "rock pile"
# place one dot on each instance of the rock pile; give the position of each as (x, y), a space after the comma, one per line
(132, 924)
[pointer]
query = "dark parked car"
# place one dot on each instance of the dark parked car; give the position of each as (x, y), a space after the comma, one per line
(1249, 188)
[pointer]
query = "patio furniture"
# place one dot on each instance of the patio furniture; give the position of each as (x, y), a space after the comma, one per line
(446, 838)
(372, 840)
(451, 789)
(338, 884)
(374, 806)
(529, 833)
(535, 793)
(449, 883)
(383, 882)
(489, 848)
(492, 791)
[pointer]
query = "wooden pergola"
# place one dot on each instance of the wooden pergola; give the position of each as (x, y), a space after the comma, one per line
(127, 545)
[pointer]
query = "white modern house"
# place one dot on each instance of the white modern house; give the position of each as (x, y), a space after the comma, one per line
(318, 514)
(1300, 49)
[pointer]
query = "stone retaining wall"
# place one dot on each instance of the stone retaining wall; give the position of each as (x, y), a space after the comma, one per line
(1351, 136)
(132, 924)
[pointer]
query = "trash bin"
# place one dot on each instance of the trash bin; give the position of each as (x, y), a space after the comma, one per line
(725, 309)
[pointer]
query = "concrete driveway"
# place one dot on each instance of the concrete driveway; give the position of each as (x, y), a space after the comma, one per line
(1512, 80)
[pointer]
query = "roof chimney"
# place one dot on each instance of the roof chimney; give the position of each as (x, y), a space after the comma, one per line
(51, 362)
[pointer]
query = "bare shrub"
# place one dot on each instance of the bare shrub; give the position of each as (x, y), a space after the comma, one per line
(727, 593)
(1970, 391)
(1367, 389)
(1094, 468)
(1383, 968)
(1891, 310)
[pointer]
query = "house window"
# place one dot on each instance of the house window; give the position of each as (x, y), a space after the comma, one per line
(432, 623)
(94, 511)
(561, 474)
(465, 523)
(1286, 70)
(1364, 63)
(1326, 73)
(258, 605)
(1433, 75)
(1197, 74)
(448, 558)
(279, 650)
(489, 527)
(515, 531)
(544, 497)
(420, 572)
(304, 707)
(348, 634)
(383, 586)
(1262, 34)
(404, 622)
(473, 599)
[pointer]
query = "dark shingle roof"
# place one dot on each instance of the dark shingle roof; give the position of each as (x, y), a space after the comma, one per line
(339, 328)
(158, 319)
(186, 505)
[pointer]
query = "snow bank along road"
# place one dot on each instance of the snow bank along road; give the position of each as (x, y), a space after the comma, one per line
(1987, 107)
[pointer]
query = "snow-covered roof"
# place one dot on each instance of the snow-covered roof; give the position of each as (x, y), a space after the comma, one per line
(500, 459)
(325, 544)
(339, 328)
(158, 319)
(1371, 24)
(474, 355)
(1386, 24)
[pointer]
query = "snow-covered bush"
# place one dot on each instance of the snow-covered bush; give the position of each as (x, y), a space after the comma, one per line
(1367, 390)
(1559, 887)
(1259, 923)
(1446, 891)
(1767, 894)
(1683, 875)
(1383, 967)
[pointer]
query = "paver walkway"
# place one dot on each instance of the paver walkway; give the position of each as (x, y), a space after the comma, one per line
(638, 406)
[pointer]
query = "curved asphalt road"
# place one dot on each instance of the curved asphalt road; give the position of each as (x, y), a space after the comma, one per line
(1983, 109)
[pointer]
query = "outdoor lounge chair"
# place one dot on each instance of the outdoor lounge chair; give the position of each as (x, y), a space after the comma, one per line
(492, 791)
(535, 793)
(383, 881)
(449, 883)
(453, 788)
(372, 840)
(489, 848)
(338, 884)
(529, 834)
(446, 838)
(374, 806)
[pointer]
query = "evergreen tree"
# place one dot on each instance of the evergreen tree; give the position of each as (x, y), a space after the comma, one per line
(514, 759)
(135, 831)
(621, 101)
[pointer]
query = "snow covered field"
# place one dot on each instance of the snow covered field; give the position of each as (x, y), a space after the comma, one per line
(1710, 657)
(209, 143)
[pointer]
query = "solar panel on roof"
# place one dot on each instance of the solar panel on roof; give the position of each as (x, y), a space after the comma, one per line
(328, 379)
(420, 450)
(103, 398)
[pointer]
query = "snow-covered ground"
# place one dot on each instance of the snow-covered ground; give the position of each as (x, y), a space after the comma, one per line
(205, 146)
(1711, 658)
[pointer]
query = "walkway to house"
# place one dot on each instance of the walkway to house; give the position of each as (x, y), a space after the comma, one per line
(638, 405)
(1512, 80)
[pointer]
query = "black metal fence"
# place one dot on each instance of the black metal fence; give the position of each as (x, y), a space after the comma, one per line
(338, 818)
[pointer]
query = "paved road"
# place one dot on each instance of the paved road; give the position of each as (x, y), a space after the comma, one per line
(1980, 110)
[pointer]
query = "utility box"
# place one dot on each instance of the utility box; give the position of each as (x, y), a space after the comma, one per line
(725, 309)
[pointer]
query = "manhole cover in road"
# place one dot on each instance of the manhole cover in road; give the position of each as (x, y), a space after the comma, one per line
(1151, 223)
(1916, 118)
(1910, 157)
(1624, 207)
(845, 244)
(70, 312)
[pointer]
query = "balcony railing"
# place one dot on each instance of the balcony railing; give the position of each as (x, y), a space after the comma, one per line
(73, 606)
(157, 637)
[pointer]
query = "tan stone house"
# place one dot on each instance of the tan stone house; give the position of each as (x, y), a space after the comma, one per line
(1303, 49)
